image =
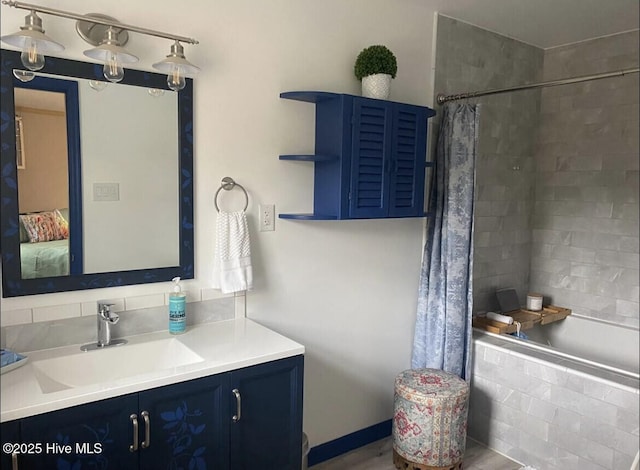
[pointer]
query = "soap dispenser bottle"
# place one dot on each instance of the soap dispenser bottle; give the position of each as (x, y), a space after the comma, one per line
(177, 309)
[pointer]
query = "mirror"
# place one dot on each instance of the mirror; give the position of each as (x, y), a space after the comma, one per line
(130, 186)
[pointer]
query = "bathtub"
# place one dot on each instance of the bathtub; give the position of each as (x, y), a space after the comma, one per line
(554, 403)
(595, 342)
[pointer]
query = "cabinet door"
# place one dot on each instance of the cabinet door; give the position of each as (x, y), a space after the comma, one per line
(10, 435)
(186, 425)
(268, 433)
(96, 435)
(370, 164)
(407, 161)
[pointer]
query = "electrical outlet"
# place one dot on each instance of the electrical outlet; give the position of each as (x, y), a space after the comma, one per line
(267, 217)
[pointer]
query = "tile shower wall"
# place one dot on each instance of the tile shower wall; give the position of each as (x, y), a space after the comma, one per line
(468, 59)
(549, 416)
(585, 219)
(538, 195)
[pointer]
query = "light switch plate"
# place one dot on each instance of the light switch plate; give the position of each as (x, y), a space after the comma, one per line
(106, 192)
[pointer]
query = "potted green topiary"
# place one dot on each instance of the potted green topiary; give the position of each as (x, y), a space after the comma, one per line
(375, 67)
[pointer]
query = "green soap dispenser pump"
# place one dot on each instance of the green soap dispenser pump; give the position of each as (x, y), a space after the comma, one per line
(177, 309)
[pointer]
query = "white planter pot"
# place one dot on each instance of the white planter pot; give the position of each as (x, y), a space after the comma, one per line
(376, 86)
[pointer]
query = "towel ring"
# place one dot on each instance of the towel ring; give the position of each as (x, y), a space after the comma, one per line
(228, 184)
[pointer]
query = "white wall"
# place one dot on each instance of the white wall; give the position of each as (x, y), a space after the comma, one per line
(346, 290)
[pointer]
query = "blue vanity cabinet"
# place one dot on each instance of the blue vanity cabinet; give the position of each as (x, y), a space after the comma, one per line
(95, 435)
(266, 401)
(10, 432)
(244, 419)
(370, 157)
(178, 426)
(187, 425)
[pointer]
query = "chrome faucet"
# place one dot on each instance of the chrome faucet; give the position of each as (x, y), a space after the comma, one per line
(106, 318)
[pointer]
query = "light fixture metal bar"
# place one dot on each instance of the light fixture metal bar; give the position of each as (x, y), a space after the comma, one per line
(115, 24)
(441, 99)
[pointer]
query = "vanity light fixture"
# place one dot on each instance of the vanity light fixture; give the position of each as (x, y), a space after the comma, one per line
(113, 55)
(107, 34)
(33, 42)
(177, 67)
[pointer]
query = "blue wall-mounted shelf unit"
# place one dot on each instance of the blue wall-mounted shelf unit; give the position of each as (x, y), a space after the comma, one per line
(369, 160)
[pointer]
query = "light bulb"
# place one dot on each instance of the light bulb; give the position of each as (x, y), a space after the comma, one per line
(155, 92)
(97, 85)
(24, 75)
(31, 57)
(176, 80)
(113, 70)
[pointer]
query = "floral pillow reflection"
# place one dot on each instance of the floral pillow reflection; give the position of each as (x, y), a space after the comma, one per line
(45, 226)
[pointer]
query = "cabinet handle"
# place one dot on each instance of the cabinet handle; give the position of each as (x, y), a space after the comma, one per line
(147, 429)
(238, 414)
(134, 419)
(14, 461)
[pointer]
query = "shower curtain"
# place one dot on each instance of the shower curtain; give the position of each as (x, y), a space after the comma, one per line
(442, 337)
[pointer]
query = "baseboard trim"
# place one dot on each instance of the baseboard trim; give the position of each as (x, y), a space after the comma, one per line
(347, 443)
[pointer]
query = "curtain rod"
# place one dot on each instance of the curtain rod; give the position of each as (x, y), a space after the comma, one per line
(441, 98)
(91, 19)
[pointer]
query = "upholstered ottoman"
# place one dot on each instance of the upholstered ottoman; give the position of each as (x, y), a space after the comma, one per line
(429, 420)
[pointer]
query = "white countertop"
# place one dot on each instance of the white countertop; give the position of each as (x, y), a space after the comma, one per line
(223, 346)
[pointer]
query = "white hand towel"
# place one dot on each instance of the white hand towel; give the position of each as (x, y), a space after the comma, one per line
(232, 264)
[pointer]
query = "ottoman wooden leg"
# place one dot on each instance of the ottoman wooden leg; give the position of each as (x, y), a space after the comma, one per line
(403, 464)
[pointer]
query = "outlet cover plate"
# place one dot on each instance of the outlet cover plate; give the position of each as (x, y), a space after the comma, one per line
(267, 217)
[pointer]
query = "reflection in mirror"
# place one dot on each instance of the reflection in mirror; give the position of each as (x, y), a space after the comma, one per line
(127, 199)
(43, 185)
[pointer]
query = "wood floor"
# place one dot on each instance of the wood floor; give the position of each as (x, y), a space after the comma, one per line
(378, 456)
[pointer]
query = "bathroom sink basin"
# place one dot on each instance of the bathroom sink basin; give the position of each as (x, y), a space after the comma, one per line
(111, 363)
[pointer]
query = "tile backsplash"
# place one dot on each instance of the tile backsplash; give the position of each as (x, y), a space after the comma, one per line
(60, 325)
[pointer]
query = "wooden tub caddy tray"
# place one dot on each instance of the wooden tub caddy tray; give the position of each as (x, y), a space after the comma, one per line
(526, 318)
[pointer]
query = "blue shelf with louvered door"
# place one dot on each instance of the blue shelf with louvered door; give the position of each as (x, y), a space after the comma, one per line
(369, 160)
(408, 161)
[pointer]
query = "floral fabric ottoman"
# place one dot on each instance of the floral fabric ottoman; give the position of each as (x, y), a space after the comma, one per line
(429, 420)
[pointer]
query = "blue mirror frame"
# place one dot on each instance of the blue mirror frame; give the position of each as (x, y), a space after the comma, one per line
(12, 283)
